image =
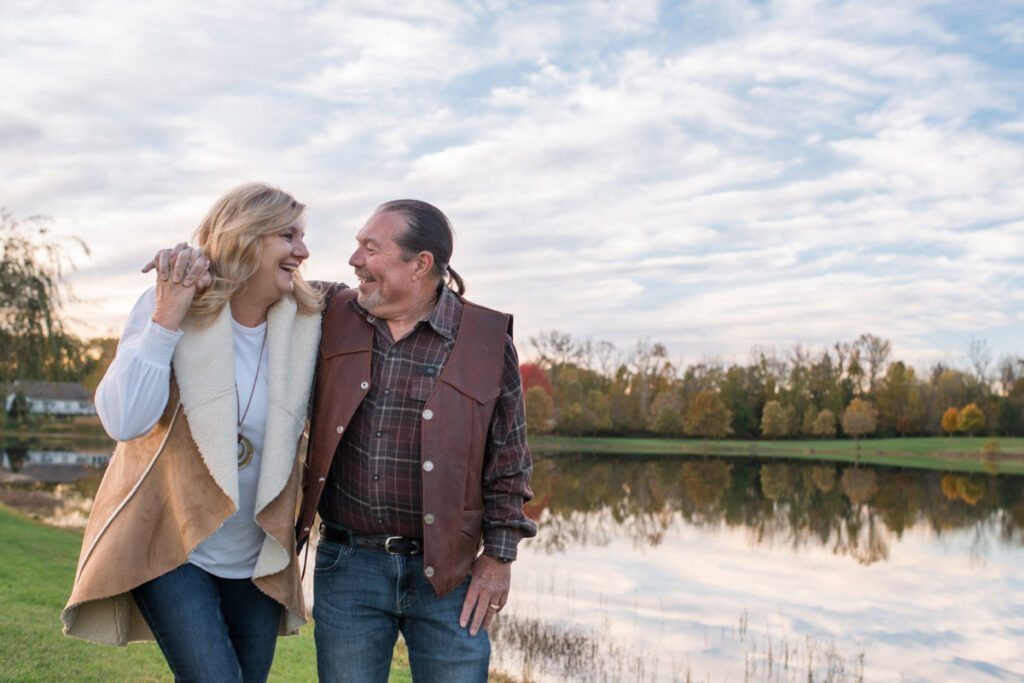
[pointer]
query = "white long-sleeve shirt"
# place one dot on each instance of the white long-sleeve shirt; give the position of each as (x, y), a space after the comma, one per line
(133, 395)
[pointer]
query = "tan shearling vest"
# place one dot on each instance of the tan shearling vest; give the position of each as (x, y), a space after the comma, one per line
(167, 491)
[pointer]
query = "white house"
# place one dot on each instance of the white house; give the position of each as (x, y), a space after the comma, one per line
(55, 398)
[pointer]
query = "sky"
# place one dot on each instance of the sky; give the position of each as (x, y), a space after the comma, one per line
(713, 175)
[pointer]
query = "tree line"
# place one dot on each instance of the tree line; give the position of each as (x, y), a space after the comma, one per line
(579, 387)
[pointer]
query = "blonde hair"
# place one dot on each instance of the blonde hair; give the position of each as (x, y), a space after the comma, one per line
(230, 236)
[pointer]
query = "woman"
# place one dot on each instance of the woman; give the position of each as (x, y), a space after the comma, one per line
(191, 539)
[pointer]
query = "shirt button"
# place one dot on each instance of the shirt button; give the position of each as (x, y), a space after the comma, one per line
(305, 528)
(428, 518)
(379, 433)
(393, 351)
(428, 572)
(364, 385)
(341, 428)
(428, 414)
(428, 465)
(371, 318)
(387, 391)
(376, 477)
(380, 521)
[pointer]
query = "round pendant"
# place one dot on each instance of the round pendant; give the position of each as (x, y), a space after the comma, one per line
(244, 451)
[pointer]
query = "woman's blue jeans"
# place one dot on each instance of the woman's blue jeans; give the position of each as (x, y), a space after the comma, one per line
(364, 598)
(209, 628)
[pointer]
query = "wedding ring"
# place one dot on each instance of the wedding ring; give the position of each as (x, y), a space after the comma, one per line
(495, 607)
(187, 268)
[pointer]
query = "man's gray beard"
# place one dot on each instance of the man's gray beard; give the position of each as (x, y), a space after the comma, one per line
(368, 301)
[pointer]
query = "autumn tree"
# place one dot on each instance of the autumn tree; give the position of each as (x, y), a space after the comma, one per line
(534, 376)
(596, 403)
(970, 419)
(825, 424)
(792, 421)
(951, 421)
(666, 413)
(574, 419)
(539, 410)
(898, 399)
(859, 418)
(774, 421)
(706, 416)
(668, 421)
(807, 424)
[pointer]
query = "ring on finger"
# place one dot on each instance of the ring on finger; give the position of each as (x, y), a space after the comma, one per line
(187, 268)
(495, 608)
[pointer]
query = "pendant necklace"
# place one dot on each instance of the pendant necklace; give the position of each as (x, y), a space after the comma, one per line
(245, 449)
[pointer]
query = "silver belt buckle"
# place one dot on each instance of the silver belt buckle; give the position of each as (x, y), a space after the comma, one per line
(387, 545)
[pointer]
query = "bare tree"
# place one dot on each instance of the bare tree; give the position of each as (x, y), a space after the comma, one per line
(649, 361)
(555, 349)
(979, 358)
(606, 359)
(877, 351)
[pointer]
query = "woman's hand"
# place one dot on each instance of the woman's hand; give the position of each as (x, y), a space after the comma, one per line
(181, 272)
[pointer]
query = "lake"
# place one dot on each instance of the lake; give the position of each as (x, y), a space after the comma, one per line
(739, 569)
(749, 570)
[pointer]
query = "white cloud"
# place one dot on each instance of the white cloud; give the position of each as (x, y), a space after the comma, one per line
(710, 174)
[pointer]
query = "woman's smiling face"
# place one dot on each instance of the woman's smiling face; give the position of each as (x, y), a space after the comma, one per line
(283, 251)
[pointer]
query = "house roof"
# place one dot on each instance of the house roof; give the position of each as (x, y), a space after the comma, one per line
(39, 389)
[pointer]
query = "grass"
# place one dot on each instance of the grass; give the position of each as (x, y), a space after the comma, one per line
(945, 453)
(36, 574)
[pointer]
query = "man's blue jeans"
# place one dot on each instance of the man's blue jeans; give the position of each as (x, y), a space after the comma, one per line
(209, 628)
(363, 598)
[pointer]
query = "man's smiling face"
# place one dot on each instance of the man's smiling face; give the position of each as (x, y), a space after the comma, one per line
(385, 279)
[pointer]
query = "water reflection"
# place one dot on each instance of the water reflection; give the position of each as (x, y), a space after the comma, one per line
(852, 510)
(739, 569)
(54, 484)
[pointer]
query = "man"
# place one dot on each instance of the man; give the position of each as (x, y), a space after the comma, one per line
(417, 456)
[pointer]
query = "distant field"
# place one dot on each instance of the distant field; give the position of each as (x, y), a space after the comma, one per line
(947, 453)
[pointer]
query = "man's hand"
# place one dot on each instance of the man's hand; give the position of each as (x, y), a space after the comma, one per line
(181, 272)
(182, 264)
(488, 591)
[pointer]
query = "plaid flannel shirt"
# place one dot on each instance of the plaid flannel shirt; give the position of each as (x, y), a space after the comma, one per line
(373, 486)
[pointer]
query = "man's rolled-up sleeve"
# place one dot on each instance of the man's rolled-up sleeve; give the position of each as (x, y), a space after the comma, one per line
(507, 466)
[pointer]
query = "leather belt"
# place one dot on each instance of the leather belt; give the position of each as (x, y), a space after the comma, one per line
(392, 545)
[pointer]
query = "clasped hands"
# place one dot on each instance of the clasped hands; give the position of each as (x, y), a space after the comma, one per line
(181, 272)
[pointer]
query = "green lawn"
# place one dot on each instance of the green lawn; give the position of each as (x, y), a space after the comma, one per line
(946, 453)
(37, 567)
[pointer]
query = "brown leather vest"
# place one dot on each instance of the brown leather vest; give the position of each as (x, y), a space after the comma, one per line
(455, 423)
